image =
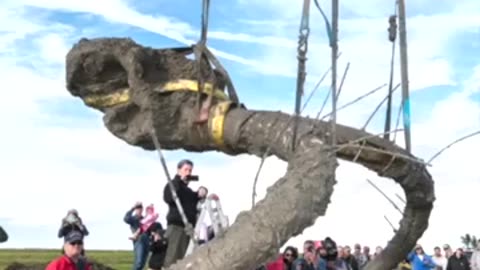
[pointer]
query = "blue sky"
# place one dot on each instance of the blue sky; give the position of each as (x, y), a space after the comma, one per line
(57, 155)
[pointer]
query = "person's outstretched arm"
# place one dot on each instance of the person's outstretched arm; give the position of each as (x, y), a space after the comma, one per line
(85, 230)
(128, 217)
(3, 235)
(61, 231)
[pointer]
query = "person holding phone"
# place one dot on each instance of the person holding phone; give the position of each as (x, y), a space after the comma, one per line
(178, 239)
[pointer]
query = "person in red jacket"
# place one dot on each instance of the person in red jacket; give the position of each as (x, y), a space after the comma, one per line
(284, 261)
(72, 258)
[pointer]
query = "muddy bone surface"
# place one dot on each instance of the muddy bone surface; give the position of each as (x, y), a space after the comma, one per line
(140, 88)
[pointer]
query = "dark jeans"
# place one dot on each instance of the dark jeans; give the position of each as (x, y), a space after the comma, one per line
(140, 252)
(178, 241)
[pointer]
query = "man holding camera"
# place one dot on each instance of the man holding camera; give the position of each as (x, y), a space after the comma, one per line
(178, 239)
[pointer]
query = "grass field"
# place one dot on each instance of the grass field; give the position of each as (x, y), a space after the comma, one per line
(120, 260)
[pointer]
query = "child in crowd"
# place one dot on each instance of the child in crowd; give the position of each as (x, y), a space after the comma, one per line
(202, 227)
(146, 222)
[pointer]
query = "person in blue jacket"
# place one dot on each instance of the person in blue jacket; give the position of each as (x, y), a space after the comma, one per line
(420, 260)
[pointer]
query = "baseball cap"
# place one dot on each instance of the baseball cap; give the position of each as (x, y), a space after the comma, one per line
(446, 246)
(73, 236)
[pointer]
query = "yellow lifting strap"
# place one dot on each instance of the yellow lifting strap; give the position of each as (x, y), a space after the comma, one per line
(216, 122)
(122, 96)
(101, 101)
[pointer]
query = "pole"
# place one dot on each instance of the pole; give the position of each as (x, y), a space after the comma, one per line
(402, 27)
(188, 226)
(334, 47)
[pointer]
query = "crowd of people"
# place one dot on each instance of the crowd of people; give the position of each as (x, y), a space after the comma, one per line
(150, 240)
(164, 247)
(321, 255)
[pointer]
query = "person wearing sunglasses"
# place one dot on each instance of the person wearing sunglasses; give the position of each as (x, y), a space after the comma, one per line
(72, 258)
(284, 261)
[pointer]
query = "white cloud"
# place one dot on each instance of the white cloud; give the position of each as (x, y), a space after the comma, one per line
(44, 162)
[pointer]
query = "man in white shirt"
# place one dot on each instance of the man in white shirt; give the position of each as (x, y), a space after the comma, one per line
(439, 260)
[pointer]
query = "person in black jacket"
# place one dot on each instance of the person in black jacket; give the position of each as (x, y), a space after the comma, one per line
(158, 247)
(458, 261)
(178, 239)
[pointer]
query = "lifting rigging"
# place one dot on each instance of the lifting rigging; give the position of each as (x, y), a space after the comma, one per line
(203, 54)
(302, 58)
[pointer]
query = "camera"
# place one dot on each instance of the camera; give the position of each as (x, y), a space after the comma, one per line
(192, 178)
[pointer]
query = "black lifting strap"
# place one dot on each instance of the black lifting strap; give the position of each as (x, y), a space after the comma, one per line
(202, 53)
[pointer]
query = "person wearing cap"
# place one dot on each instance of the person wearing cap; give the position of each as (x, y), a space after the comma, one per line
(133, 217)
(3, 235)
(178, 239)
(72, 258)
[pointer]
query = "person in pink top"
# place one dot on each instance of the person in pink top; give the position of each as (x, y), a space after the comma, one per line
(146, 222)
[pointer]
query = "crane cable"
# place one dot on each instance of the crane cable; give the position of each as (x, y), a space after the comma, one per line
(302, 58)
(202, 53)
(392, 36)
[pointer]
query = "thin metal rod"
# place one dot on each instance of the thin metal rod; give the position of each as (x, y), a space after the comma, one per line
(387, 131)
(340, 87)
(355, 100)
(188, 226)
(390, 223)
(452, 143)
(334, 46)
(385, 195)
(400, 198)
(400, 109)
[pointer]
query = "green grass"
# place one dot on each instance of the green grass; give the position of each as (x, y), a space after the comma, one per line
(120, 260)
